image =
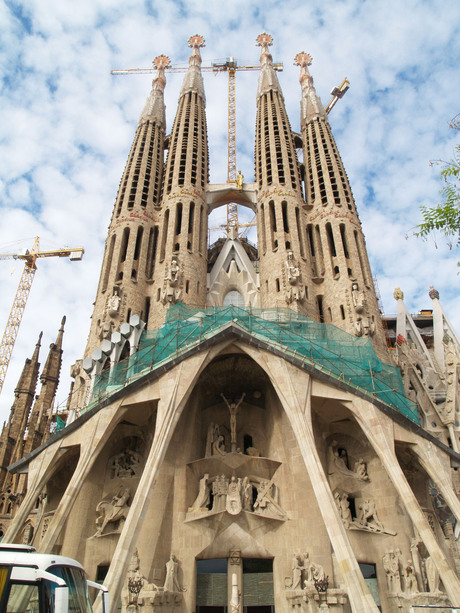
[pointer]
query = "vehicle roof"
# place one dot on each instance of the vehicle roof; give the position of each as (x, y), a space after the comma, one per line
(43, 561)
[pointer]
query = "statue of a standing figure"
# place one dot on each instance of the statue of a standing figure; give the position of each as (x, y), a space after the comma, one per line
(171, 581)
(233, 408)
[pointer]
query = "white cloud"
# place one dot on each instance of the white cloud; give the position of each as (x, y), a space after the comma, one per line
(67, 127)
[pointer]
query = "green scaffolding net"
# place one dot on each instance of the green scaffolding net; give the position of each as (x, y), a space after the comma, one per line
(327, 348)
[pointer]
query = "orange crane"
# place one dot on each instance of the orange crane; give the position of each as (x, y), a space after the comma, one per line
(22, 293)
(230, 66)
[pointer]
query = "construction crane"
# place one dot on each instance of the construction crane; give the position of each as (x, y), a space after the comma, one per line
(230, 66)
(22, 293)
(337, 93)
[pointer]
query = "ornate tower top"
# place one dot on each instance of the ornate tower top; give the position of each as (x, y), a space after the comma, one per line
(196, 41)
(265, 41)
(154, 108)
(193, 81)
(311, 105)
(267, 78)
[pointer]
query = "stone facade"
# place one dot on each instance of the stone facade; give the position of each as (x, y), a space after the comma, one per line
(223, 459)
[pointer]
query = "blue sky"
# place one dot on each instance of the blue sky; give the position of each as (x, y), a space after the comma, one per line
(67, 126)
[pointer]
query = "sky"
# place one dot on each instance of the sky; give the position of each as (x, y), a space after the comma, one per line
(67, 124)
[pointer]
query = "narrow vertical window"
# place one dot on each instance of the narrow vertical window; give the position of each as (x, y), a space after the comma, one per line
(124, 244)
(299, 232)
(178, 218)
(164, 236)
(273, 230)
(319, 304)
(151, 252)
(147, 311)
(108, 264)
(262, 227)
(330, 240)
(344, 240)
(285, 217)
(137, 248)
(361, 259)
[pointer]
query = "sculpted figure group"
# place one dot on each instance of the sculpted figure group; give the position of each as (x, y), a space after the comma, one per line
(219, 493)
(306, 575)
(338, 463)
(366, 517)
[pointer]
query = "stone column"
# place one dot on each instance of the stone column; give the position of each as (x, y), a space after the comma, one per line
(428, 457)
(175, 389)
(379, 431)
(37, 479)
(294, 388)
(97, 437)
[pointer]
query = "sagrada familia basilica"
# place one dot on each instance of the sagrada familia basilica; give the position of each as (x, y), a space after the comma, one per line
(245, 431)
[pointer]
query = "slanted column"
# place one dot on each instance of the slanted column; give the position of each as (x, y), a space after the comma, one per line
(97, 437)
(294, 391)
(378, 430)
(439, 473)
(174, 391)
(39, 473)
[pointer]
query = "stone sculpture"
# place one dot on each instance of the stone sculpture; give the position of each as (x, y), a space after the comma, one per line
(203, 499)
(293, 272)
(215, 442)
(368, 516)
(297, 569)
(307, 576)
(125, 464)
(172, 581)
(391, 567)
(363, 325)
(337, 463)
(410, 580)
(171, 288)
(114, 301)
(432, 575)
(233, 502)
(266, 502)
(233, 409)
(360, 470)
(115, 510)
(343, 506)
(219, 492)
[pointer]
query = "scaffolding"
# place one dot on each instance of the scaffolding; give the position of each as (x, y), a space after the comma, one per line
(325, 347)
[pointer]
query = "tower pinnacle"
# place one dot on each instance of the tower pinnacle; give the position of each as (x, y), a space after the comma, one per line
(311, 105)
(154, 108)
(267, 78)
(193, 81)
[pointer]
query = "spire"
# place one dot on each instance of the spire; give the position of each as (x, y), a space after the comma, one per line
(41, 413)
(310, 105)
(154, 109)
(12, 436)
(267, 78)
(28, 378)
(193, 80)
(52, 366)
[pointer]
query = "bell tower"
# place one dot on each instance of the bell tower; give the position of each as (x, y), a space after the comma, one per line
(180, 274)
(344, 291)
(285, 279)
(129, 257)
